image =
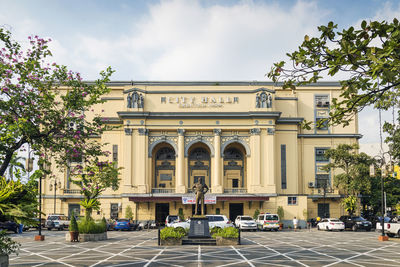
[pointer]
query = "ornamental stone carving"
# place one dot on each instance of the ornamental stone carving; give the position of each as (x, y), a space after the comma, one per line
(263, 100)
(135, 100)
(271, 131)
(217, 131)
(157, 139)
(255, 131)
(128, 131)
(241, 139)
(143, 131)
(181, 132)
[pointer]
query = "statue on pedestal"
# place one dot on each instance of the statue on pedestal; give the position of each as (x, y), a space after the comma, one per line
(200, 190)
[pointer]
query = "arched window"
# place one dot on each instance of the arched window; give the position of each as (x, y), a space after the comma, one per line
(164, 168)
(165, 153)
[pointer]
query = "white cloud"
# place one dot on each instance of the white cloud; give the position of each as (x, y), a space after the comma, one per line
(182, 40)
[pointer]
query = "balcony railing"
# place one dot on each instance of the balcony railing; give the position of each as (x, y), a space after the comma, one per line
(235, 190)
(72, 191)
(163, 190)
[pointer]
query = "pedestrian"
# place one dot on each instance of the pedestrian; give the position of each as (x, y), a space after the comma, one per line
(295, 223)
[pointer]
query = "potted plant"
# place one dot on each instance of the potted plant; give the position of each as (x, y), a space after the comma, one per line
(281, 214)
(73, 229)
(7, 246)
(170, 236)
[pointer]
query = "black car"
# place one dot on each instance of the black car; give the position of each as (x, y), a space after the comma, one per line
(10, 226)
(356, 223)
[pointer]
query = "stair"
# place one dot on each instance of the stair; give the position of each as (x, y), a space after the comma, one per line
(199, 241)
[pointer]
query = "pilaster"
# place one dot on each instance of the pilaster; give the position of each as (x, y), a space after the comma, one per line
(270, 159)
(255, 176)
(216, 178)
(127, 161)
(141, 162)
(180, 163)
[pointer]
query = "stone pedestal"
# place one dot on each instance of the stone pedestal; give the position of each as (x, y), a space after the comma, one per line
(199, 227)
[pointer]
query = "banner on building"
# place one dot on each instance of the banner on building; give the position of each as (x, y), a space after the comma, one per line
(192, 200)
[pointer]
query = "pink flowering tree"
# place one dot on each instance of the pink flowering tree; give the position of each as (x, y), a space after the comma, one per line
(93, 179)
(34, 111)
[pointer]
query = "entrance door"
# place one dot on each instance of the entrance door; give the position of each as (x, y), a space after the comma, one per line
(323, 210)
(235, 209)
(162, 211)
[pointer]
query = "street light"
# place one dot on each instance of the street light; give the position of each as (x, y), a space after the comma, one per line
(56, 184)
(45, 168)
(385, 169)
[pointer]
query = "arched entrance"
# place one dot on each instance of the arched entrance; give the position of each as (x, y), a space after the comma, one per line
(234, 169)
(164, 169)
(199, 164)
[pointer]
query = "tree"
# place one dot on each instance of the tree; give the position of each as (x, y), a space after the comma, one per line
(93, 179)
(15, 165)
(369, 56)
(128, 212)
(33, 111)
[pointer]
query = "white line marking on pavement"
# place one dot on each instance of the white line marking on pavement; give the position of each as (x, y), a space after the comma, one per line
(199, 256)
(155, 257)
(54, 260)
(243, 257)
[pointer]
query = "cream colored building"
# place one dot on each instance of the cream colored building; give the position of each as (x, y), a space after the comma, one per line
(242, 138)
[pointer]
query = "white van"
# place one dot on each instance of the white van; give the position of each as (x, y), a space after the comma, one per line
(268, 221)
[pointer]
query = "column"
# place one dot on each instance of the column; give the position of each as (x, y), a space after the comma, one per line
(270, 158)
(255, 139)
(127, 154)
(216, 181)
(141, 161)
(180, 163)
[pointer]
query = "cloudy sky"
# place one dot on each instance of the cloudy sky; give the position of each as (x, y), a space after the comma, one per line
(185, 39)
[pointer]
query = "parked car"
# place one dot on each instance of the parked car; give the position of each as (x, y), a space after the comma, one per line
(392, 228)
(330, 224)
(57, 221)
(245, 223)
(268, 221)
(124, 224)
(356, 223)
(10, 226)
(171, 219)
(378, 225)
(219, 221)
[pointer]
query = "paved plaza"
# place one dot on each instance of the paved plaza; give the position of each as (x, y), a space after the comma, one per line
(287, 248)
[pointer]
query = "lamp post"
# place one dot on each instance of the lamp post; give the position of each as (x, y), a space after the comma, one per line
(56, 184)
(385, 169)
(44, 168)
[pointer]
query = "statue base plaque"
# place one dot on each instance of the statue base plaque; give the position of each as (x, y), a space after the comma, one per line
(199, 227)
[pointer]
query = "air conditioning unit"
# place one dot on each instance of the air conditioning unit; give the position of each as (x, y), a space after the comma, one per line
(311, 185)
(320, 152)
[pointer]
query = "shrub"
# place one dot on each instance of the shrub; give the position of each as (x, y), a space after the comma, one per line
(281, 213)
(128, 212)
(228, 232)
(215, 230)
(7, 245)
(73, 225)
(256, 213)
(91, 227)
(171, 232)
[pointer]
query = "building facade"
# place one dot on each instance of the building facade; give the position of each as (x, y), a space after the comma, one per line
(243, 139)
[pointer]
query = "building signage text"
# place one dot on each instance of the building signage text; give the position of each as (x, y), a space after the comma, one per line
(199, 102)
(192, 200)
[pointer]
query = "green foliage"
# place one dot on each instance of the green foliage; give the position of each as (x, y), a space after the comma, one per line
(7, 245)
(354, 176)
(93, 179)
(33, 111)
(256, 213)
(91, 227)
(128, 212)
(73, 225)
(180, 214)
(281, 213)
(350, 204)
(214, 230)
(228, 232)
(368, 55)
(171, 232)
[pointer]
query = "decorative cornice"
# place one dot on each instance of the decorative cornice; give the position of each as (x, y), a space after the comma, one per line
(255, 131)
(202, 115)
(111, 120)
(357, 136)
(112, 98)
(217, 131)
(286, 98)
(289, 120)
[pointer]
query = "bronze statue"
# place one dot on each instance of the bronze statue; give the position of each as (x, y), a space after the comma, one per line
(200, 190)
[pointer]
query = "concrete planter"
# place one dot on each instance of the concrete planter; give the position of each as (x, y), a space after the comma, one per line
(171, 242)
(4, 261)
(225, 241)
(88, 237)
